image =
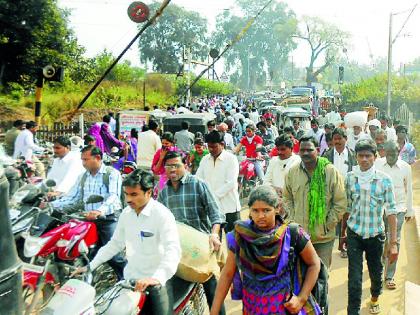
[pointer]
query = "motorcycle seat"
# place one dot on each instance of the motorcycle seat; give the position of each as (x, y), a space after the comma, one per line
(181, 289)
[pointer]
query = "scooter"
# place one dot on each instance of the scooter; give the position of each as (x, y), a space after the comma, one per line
(56, 252)
(79, 297)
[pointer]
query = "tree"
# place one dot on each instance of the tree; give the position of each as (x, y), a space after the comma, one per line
(35, 33)
(325, 41)
(122, 72)
(263, 51)
(373, 90)
(176, 29)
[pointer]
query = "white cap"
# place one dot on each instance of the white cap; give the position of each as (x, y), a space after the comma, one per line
(374, 122)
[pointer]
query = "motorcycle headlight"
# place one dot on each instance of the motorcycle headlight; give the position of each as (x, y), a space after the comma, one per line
(33, 244)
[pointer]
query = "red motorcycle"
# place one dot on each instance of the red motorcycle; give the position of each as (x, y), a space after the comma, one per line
(56, 253)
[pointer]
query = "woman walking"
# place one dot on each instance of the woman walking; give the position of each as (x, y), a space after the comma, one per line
(258, 261)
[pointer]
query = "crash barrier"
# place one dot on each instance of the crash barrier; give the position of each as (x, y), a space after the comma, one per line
(197, 264)
(48, 133)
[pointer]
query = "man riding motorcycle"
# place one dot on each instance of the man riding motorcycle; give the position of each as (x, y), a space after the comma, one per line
(97, 180)
(148, 232)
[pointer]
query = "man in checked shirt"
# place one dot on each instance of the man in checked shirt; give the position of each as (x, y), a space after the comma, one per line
(191, 202)
(369, 194)
(104, 181)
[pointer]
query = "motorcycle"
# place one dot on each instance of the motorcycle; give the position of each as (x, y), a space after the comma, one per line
(78, 297)
(248, 178)
(55, 249)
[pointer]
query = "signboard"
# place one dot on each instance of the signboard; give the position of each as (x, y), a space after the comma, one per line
(130, 120)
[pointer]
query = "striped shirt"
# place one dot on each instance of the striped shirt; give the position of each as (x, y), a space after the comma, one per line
(192, 203)
(94, 185)
(366, 203)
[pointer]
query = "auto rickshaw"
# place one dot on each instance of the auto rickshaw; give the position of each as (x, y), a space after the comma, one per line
(291, 114)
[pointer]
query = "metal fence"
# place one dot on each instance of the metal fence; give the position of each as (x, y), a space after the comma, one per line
(47, 133)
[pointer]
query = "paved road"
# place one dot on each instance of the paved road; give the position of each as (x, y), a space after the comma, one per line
(392, 302)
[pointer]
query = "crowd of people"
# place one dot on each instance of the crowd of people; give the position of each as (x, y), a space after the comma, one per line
(354, 184)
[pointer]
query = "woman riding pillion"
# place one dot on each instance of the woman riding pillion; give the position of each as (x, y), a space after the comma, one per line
(258, 261)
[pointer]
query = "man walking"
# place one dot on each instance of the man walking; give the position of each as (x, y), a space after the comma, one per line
(314, 197)
(11, 135)
(184, 139)
(150, 143)
(191, 202)
(344, 159)
(400, 173)
(220, 170)
(369, 195)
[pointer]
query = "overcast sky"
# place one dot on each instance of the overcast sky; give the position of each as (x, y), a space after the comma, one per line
(103, 24)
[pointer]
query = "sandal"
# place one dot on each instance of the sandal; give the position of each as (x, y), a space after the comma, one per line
(343, 254)
(390, 284)
(374, 308)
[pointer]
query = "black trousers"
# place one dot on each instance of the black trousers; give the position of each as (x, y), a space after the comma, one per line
(231, 218)
(373, 248)
(210, 291)
(159, 301)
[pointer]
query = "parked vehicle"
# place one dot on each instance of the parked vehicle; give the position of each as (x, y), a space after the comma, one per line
(198, 122)
(55, 250)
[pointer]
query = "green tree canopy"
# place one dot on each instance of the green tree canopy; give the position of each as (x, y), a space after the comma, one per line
(163, 43)
(373, 90)
(265, 46)
(35, 33)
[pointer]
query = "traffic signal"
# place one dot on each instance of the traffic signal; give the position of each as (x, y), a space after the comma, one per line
(340, 74)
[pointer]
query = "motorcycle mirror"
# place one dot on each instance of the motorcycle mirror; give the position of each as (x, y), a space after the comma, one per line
(94, 199)
(50, 183)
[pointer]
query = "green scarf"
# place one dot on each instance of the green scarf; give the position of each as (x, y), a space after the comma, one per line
(316, 196)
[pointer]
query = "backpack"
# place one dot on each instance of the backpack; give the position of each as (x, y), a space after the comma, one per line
(298, 268)
(106, 176)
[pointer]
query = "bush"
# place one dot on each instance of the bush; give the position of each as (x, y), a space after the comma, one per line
(16, 91)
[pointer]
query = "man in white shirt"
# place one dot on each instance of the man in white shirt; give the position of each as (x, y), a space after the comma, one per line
(220, 170)
(343, 158)
(66, 168)
(280, 165)
(112, 123)
(390, 131)
(228, 139)
(355, 136)
(147, 230)
(315, 131)
(238, 115)
(333, 116)
(25, 146)
(254, 116)
(400, 173)
(148, 143)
